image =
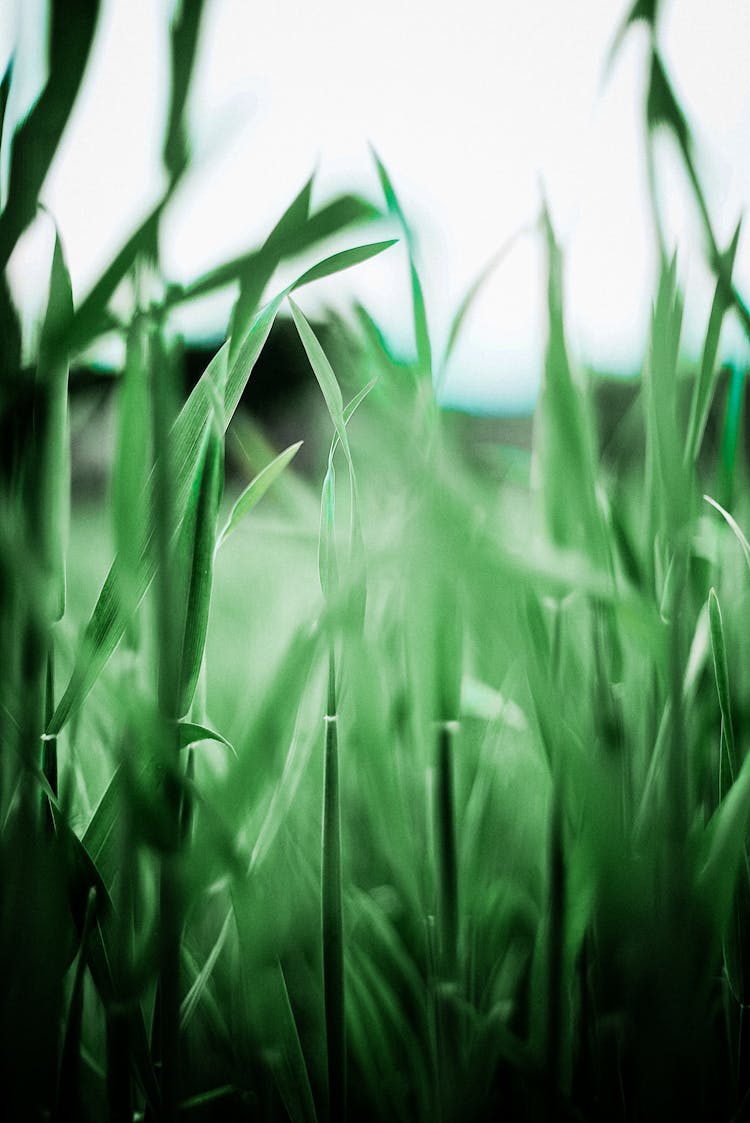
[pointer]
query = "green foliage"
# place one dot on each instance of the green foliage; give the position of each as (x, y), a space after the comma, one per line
(457, 827)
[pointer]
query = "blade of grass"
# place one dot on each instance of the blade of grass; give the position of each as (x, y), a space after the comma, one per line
(107, 624)
(184, 37)
(421, 329)
(256, 489)
(734, 527)
(721, 672)
(290, 1072)
(37, 138)
(705, 383)
(53, 481)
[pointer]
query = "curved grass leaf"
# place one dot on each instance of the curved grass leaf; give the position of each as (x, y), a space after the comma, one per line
(421, 330)
(344, 259)
(107, 624)
(734, 527)
(256, 489)
(474, 290)
(188, 733)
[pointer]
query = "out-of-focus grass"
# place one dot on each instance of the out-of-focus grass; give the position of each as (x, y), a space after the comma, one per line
(426, 795)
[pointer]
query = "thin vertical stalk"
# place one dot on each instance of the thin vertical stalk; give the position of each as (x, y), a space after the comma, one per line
(445, 827)
(165, 1035)
(555, 944)
(332, 911)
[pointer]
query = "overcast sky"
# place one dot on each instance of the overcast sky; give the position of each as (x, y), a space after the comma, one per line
(470, 107)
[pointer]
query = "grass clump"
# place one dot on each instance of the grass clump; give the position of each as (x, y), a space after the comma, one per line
(507, 871)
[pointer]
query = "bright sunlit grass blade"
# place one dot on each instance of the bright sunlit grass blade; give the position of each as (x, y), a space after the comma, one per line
(256, 489)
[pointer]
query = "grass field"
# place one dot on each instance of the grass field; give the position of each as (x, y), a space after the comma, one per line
(419, 791)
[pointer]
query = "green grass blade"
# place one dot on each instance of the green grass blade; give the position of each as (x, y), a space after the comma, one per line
(290, 1072)
(734, 527)
(721, 672)
(199, 987)
(421, 329)
(69, 1103)
(183, 48)
(107, 624)
(563, 441)
(131, 467)
(723, 849)
(90, 319)
(193, 566)
(705, 383)
(189, 733)
(256, 489)
(324, 373)
(332, 914)
(37, 138)
(53, 464)
(475, 288)
(337, 262)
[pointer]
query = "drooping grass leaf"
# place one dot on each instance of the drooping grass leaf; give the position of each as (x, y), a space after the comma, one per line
(324, 374)
(256, 489)
(188, 733)
(107, 623)
(334, 401)
(421, 329)
(734, 527)
(37, 138)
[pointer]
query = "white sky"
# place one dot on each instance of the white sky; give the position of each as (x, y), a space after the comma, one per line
(469, 108)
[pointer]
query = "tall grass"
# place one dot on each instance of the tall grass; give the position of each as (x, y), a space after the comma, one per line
(434, 809)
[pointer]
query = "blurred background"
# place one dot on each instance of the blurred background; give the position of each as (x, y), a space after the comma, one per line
(474, 111)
